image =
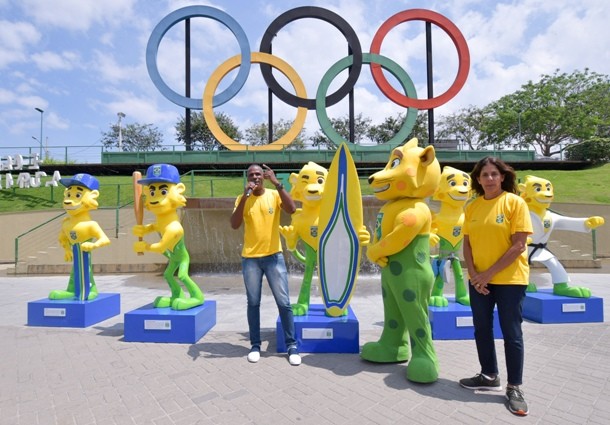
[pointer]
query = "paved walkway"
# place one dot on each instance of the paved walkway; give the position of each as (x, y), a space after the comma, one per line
(91, 376)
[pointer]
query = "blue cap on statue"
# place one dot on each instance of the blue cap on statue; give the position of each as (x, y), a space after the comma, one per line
(82, 179)
(161, 173)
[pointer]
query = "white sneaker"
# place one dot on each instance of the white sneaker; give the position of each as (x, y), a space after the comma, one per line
(254, 355)
(293, 356)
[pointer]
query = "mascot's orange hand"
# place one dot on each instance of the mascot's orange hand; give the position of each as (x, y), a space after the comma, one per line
(88, 246)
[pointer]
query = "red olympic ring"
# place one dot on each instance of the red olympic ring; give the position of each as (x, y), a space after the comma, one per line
(458, 40)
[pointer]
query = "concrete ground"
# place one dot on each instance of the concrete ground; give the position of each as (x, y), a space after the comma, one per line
(92, 376)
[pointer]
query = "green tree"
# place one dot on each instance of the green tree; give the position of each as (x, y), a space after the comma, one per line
(201, 136)
(596, 150)
(258, 134)
(134, 137)
(391, 125)
(362, 126)
(559, 110)
(463, 125)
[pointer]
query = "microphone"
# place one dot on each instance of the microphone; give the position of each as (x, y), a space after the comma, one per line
(248, 192)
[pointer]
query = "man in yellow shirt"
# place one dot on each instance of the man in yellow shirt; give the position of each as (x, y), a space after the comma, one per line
(259, 209)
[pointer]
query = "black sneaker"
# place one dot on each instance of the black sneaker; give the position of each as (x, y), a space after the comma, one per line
(480, 382)
(516, 401)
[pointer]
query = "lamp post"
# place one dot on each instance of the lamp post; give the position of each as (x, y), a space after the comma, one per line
(36, 138)
(120, 115)
(40, 140)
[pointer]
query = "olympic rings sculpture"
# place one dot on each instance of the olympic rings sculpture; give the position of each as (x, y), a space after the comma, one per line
(299, 100)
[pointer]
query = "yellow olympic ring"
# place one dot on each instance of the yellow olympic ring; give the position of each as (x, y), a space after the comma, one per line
(228, 66)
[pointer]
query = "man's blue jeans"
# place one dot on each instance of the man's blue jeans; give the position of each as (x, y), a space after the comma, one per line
(274, 269)
(509, 300)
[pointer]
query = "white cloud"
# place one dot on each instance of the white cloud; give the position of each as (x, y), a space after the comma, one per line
(49, 61)
(15, 38)
(78, 15)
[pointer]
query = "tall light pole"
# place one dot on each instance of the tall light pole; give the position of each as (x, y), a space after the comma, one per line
(40, 140)
(120, 115)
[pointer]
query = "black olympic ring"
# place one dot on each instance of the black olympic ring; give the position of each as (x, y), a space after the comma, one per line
(325, 15)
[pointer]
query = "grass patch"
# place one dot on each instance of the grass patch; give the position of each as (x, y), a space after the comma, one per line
(589, 186)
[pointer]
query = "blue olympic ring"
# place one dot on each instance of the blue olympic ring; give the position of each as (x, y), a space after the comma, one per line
(197, 11)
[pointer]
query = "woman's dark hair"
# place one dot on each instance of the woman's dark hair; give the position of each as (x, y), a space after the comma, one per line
(510, 178)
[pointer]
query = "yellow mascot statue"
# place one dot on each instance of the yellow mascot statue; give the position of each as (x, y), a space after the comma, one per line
(538, 194)
(307, 187)
(163, 196)
(453, 192)
(80, 235)
(401, 247)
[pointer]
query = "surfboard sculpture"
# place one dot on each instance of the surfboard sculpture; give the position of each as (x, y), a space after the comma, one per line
(343, 233)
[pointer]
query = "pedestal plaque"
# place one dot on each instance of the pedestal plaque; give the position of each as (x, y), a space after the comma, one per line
(151, 324)
(455, 322)
(73, 313)
(318, 333)
(545, 307)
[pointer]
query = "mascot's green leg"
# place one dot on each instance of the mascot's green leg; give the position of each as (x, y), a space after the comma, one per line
(571, 291)
(531, 287)
(461, 293)
(393, 345)
(196, 296)
(176, 289)
(437, 299)
(64, 295)
(93, 290)
(302, 306)
(423, 366)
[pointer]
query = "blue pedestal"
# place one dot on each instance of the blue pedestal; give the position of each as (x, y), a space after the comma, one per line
(73, 313)
(151, 324)
(455, 322)
(544, 307)
(318, 333)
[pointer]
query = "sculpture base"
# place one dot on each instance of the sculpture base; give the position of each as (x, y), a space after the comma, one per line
(73, 313)
(545, 307)
(151, 324)
(318, 333)
(455, 322)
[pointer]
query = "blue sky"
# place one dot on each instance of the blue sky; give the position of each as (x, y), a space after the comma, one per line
(83, 61)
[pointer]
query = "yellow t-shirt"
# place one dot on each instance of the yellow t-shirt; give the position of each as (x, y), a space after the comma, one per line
(261, 224)
(489, 225)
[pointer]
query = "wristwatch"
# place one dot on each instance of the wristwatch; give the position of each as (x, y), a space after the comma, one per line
(279, 186)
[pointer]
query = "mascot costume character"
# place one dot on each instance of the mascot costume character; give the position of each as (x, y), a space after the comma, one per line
(453, 192)
(307, 188)
(538, 193)
(163, 196)
(401, 247)
(79, 236)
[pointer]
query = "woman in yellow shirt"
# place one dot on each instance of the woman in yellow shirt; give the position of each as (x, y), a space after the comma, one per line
(496, 226)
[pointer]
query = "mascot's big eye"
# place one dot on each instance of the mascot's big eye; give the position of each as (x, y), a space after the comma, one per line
(78, 195)
(152, 193)
(452, 183)
(395, 163)
(538, 189)
(466, 183)
(164, 192)
(320, 180)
